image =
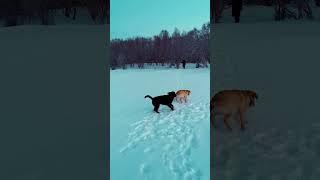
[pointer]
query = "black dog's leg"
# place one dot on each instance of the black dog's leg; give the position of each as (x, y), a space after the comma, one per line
(156, 108)
(171, 106)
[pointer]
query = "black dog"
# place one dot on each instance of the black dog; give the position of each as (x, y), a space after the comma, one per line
(164, 100)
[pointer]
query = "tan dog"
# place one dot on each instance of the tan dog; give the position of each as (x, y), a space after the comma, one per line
(182, 95)
(230, 102)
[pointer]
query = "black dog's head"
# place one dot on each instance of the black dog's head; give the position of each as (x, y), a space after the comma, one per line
(172, 94)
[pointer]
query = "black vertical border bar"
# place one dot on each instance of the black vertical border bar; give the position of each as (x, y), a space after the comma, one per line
(107, 71)
(211, 47)
(211, 39)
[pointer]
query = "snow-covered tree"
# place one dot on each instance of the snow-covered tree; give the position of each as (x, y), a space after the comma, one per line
(192, 46)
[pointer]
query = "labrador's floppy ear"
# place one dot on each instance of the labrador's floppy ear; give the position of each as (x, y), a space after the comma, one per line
(253, 97)
(252, 100)
(253, 93)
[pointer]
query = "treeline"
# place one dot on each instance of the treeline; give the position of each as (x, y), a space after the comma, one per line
(163, 49)
(283, 9)
(228, 3)
(17, 12)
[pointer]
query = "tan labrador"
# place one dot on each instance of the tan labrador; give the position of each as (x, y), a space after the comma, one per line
(230, 102)
(182, 95)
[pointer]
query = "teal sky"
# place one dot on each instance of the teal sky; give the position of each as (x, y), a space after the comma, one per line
(130, 18)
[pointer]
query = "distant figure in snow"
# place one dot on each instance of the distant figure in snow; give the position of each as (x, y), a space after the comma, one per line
(236, 10)
(184, 64)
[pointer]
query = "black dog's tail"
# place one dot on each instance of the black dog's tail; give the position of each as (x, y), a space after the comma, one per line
(147, 96)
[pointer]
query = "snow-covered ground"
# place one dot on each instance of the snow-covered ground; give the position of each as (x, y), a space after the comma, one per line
(280, 61)
(53, 107)
(170, 145)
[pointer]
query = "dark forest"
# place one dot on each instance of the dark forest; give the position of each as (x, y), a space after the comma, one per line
(19, 12)
(163, 49)
(283, 9)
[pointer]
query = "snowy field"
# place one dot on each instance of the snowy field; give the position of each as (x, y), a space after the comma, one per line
(172, 145)
(53, 116)
(280, 61)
